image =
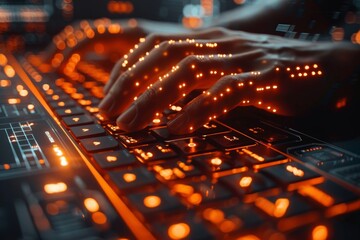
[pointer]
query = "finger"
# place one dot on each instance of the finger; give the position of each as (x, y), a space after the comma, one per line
(242, 89)
(152, 67)
(145, 45)
(194, 72)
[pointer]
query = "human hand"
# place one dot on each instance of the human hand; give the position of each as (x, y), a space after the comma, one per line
(283, 76)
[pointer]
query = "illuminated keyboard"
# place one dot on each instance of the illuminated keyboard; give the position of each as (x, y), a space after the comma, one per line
(235, 178)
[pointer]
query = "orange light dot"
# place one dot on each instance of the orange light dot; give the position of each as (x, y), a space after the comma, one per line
(129, 177)
(52, 188)
(91, 205)
(152, 201)
(320, 232)
(178, 231)
(9, 71)
(99, 218)
(245, 182)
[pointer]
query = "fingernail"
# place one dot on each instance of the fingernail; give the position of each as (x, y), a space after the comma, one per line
(180, 124)
(126, 120)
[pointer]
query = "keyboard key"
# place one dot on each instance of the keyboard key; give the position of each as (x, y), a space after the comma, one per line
(117, 158)
(260, 156)
(188, 226)
(292, 175)
(90, 130)
(230, 141)
(211, 128)
(77, 120)
(132, 178)
(233, 218)
(136, 138)
(249, 184)
(64, 112)
(160, 201)
(113, 128)
(283, 205)
(154, 152)
(193, 145)
(197, 192)
(97, 144)
(164, 134)
(62, 104)
(176, 169)
(328, 193)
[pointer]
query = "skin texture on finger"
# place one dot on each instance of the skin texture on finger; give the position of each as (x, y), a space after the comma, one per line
(145, 45)
(156, 65)
(193, 72)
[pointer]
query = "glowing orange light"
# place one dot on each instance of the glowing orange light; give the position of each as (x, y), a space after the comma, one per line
(178, 231)
(99, 218)
(3, 59)
(320, 232)
(245, 182)
(9, 71)
(214, 215)
(14, 100)
(281, 206)
(317, 195)
(5, 83)
(195, 198)
(52, 188)
(216, 161)
(152, 201)
(111, 158)
(91, 205)
(63, 161)
(129, 177)
(296, 171)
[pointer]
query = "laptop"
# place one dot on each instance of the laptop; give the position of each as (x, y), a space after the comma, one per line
(68, 173)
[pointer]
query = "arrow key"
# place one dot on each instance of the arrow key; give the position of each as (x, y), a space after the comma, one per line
(90, 130)
(77, 120)
(97, 144)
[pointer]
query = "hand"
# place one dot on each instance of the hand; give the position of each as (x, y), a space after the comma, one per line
(283, 76)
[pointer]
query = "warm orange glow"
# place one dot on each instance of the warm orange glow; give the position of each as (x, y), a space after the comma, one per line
(340, 103)
(152, 201)
(216, 161)
(320, 232)
(99, 218)
(111, 158)
(183, 189)
(3, 59)
(281, 206)
(129, 177)
(14, 100)
(296, 171)
(91, 205)
(63, 161)
(195, 198)
(6, 166)
(253, 155)
(215, 216)
(179, 231)
(248, 237)
(275, 210)
(317, 195)
(245, 182)
(52, 188)
(9, 71)
(5, 83)
(192, 22)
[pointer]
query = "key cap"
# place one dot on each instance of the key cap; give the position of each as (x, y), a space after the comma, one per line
(259, 156)
(64, 112)
(132, 178)
(160, 201)
(241, 216)
(230, 141)
(90, 130)
(187, 226)
(211, 128)
(154, 152)
(328, 193)
(198, 191)
(213, 162)
(117, 158)
(97, 144)
(176, 169)
(164, 134)
(62, 104)
(136, 138)
(248, 184)
(77, 120)
(283, 205)
(193, 145)
(292, 175)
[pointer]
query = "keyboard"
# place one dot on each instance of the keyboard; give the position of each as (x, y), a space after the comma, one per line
(69, 173)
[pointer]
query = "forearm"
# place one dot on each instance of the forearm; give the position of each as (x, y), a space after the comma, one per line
(259, 16)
